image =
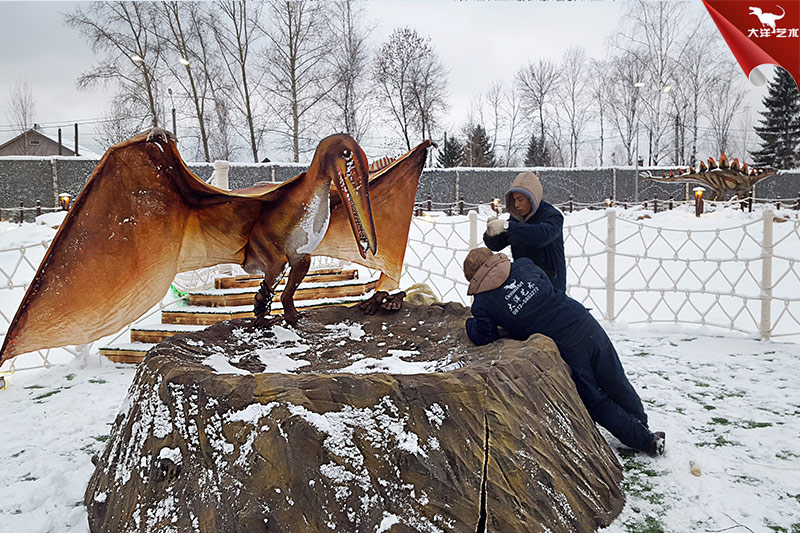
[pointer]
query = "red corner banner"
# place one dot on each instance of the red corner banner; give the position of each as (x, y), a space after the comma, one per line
(760, 33)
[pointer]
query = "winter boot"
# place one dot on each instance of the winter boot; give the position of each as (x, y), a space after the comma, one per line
(659, 441)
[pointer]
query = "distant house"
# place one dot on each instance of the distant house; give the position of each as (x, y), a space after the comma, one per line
(34, 142)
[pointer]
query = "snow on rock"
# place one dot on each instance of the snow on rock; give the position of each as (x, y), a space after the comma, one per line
(196, 448)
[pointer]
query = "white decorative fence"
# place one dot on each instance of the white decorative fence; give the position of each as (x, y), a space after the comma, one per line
(738, 277)
(735, 276)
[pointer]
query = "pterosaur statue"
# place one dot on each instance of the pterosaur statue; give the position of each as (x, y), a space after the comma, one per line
(725, 177)
(143, 217)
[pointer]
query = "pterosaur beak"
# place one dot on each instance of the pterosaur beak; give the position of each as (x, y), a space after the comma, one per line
(351, 177)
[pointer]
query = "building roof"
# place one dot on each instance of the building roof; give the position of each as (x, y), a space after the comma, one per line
(52, 149)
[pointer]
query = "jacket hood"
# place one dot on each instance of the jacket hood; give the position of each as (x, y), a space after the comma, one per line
(491, 274)
(528, 184)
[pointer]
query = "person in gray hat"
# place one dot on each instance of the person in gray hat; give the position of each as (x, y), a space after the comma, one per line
(534, 229)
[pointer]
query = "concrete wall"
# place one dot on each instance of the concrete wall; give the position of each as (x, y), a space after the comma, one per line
(29, 179)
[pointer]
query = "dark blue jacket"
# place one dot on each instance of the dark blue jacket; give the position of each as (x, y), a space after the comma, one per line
(526, 303)
(540, 238)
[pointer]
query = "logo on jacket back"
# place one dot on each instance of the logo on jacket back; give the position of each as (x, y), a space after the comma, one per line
(518, 293)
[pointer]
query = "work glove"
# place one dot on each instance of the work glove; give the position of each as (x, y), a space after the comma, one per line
(495, 226)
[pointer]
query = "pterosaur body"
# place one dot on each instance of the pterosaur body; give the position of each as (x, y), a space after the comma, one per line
(143, 217)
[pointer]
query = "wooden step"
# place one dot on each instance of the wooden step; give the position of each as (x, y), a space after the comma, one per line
(208, 315)
(308, 290)
(132, 353)
(155, 333)
(330, 274)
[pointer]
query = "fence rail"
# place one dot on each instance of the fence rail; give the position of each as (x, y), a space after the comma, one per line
(740, 277)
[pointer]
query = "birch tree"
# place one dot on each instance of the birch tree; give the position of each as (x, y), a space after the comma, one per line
(351, 95)
(298, 76)
(538, 82)
(237, 33)
(411, 83)
(121, 32)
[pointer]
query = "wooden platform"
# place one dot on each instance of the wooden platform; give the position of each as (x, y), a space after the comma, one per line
(232, 298)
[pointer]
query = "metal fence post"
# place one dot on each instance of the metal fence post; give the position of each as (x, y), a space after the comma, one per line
(611, 252)
(766, 276)
(473, 229)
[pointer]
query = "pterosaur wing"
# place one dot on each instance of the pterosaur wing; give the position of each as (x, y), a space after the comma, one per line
(141, 218)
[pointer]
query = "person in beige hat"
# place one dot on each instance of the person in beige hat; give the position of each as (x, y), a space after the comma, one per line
(519, 298)
(534, 229)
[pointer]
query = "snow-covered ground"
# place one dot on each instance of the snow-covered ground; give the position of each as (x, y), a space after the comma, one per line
(730, 406)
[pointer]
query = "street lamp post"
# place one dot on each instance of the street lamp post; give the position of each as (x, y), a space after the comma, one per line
(174, 127)
(638, 85)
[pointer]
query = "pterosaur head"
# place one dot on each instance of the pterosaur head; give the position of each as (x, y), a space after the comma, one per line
(340, 158)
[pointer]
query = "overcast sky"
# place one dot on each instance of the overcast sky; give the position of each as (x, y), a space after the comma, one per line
(479, 42)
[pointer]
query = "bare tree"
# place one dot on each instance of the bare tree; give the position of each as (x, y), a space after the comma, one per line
(237, 33)
(624, 102)
(121, 31)
(651, 39)
(511, 118)
(538, 82)
(726, 104)
(598, 84)
(573, 99)
(22, 106)
(120, 122)
(411, 81)
(181, 27)
(298, 74)
(21, 109)
(351, 96)
(699, 52)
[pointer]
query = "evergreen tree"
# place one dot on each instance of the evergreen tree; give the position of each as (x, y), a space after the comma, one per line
(452, 153)
(780, 125)
(479, 151)
(538, 155)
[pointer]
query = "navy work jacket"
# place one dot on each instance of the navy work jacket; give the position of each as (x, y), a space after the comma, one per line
(540, 238)
(524, 304)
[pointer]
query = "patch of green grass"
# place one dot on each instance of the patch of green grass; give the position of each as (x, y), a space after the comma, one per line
(641, 354)
(709, 407)
(734, 394)
(750, 424)
(98, 381)
(34, 387)
(47, 394)
(787, 455)
(29, 477)
(720, 441)
(689, 339)
(769, 353)
(648, 525)
(69, 377)
(101, 438)
(78, 504)
(701, 384)
(638, 476)
(721, 421)
(775, 527)
(672, 343)
(17, 454)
